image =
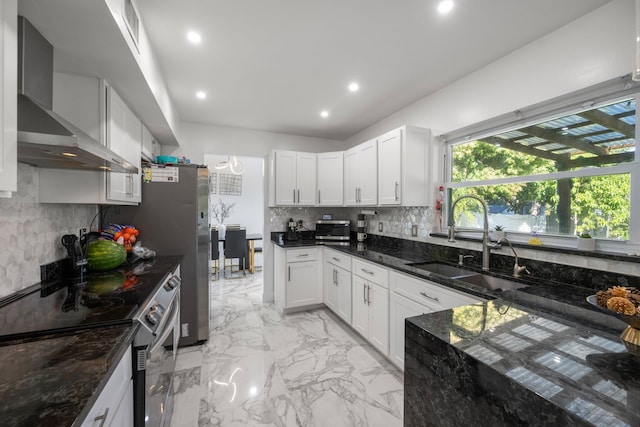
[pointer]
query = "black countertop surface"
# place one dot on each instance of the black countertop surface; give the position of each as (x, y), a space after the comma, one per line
(53, 380)
(546, 331)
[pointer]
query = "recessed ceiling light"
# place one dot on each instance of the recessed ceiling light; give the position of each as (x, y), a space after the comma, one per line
(65, 153)
(194, 38)
(445, 6)
(201, 94)
(324, 114)
(353, 87)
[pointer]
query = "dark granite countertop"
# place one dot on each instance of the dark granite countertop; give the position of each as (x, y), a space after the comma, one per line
(544, 341)
(54, 379)
(517, 365)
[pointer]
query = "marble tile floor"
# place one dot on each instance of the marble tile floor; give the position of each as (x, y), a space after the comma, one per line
(262, 368)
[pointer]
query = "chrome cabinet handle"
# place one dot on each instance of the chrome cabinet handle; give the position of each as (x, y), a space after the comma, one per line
(364, 293)
(298, 195)
(302, 255)
(429, 296)
(102, 418)
(289, 274)
(294, 195)
(397, 187)
(367, 271)
(335, 259)
(318, 196)
(368, 295)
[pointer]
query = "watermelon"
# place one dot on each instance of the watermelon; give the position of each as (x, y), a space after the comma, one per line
(105, 255)
(107, 282)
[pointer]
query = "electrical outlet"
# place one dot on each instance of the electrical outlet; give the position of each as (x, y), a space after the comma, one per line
(414, 230)
(380, 227)
(185, 330)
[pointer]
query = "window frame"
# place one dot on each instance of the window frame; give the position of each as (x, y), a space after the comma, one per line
(606, 93)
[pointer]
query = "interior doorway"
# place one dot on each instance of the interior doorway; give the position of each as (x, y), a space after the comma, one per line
(236, 195)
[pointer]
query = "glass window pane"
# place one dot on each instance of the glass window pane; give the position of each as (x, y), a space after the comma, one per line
(599, 137)
(598, 205)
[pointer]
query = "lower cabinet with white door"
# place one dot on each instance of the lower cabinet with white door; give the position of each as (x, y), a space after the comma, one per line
(114, 406)
(410, 297)
(371, 303)
(337, 283)
(297, 277)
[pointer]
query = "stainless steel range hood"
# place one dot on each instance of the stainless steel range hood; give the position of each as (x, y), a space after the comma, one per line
(45, 139)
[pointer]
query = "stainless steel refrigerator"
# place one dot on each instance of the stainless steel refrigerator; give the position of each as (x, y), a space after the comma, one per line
(173, 219)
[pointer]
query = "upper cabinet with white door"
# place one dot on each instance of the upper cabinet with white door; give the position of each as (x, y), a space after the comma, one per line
(94, 106)
(8, 94)
(330, 178)
(124, 136)
(407, 167)
(293, 178)
(361, 174)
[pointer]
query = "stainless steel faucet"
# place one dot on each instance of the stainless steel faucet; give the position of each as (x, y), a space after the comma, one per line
(486, 247)
(517, 269)
(461, 259)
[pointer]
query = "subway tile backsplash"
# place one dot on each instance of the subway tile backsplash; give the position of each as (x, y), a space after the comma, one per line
(31, 231)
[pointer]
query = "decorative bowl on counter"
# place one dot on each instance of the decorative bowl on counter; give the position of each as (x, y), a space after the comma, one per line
(631, 335)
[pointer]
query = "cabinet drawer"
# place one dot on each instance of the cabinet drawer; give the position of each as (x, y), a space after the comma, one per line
(338, 259)
(304, 254)
(428, 293)
(371, 272)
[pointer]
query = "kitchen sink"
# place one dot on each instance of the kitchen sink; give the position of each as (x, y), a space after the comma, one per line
(492, 283)
(443, 269)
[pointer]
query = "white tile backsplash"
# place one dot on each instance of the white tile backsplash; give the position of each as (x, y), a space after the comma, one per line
(31, 231)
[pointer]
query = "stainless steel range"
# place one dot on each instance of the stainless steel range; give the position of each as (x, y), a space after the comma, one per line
(147, 293)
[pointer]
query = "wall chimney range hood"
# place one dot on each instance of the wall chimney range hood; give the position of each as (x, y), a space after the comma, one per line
(45, 139)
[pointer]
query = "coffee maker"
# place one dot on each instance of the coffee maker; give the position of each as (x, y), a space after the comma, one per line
(292, 230)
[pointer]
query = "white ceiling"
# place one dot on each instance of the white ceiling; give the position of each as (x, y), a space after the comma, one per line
(275, 64)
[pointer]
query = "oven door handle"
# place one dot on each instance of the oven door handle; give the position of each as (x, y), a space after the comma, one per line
(168, 326)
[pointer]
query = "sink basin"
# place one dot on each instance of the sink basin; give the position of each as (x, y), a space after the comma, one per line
(443, 269)
(492, 283)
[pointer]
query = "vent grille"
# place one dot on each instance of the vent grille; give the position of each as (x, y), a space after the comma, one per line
(141, 359)
(132, 20)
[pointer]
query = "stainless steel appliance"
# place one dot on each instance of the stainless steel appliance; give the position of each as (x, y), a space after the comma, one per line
(46, 139)
(173, 219)
(147, 293)
(333, 232)
(292, 230)
(155, 351)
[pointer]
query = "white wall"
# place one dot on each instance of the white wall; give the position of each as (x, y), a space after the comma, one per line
(198, 139)
(248, 209)
(590, 50)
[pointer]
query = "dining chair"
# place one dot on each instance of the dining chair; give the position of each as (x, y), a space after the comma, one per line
(235, 246)
(215, 254)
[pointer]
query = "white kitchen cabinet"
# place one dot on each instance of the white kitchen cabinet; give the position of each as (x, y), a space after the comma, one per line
(92, 105)
(401, 308)
(337, 283)
(411, 296)
(361, 174)
(407, 167)
(9, 95)
(297, 274)
(124, 137)
(114, 406)
(370, 316)
(331, 178)
(295, 178)
(150, 148)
